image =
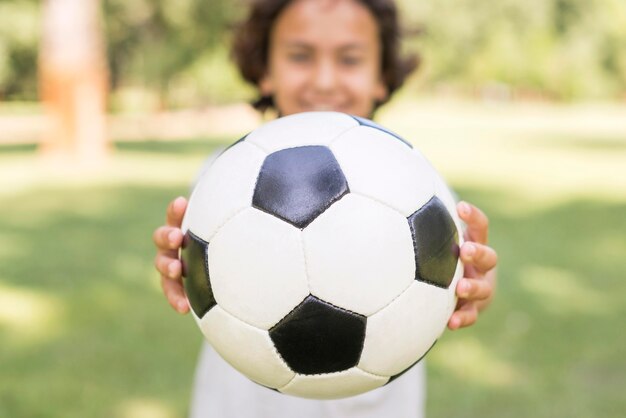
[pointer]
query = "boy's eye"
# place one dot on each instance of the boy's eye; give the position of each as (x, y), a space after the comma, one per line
(298, 56)
(350, 60)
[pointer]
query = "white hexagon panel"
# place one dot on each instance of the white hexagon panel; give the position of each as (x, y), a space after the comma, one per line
(228, 335)
(359, 254)
(333, 385)
(379, 166)
(230, 181)
(301, 129)
(257, 268)
(407, 328)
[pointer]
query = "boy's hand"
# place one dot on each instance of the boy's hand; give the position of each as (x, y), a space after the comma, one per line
(475, 290)
(168, 240)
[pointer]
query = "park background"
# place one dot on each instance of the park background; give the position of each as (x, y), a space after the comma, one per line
(108, 108)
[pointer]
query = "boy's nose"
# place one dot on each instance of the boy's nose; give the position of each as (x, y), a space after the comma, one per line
(325, 77)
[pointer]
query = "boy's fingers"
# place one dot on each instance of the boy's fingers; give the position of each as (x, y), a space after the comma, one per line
(175, 294)
(169, 267)
(474, 289)
(482, 257)
(464, 317)
(476, 221)
(176, 211)
(167, 238)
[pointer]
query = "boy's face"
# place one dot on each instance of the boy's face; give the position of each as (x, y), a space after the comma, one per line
(324, 55)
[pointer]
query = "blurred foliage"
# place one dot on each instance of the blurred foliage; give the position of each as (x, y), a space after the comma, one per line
(19, 39)
(176, 51)
(170, 47)
(565, 49)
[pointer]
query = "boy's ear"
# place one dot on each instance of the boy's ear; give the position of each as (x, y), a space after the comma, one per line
(381, 92)
(266, 87)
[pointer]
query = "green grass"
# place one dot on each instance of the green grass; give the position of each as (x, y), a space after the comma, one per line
(550, 344)
(86, 332)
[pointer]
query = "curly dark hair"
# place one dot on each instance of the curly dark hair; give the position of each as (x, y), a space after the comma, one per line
(252, 36)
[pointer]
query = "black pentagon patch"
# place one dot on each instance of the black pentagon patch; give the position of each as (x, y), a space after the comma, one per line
(298, 184)
(369, 123)
(394, 377)
(317, 337)
(196, 277)
(436, 243)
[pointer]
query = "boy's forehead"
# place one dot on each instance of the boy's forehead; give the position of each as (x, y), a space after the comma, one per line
(329, 22)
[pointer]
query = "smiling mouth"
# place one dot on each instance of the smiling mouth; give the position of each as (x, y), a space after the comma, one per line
(324, 108)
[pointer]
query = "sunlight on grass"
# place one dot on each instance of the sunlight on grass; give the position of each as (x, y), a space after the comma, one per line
(143, 408)
(544, 156)
(562, 292)
(11, 245)
(471, 361)
(29, 315)
(545, 178)
(27, 172)
(610, 247)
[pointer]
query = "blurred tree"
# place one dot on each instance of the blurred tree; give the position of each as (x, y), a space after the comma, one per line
(73, 81)
(152, 41)
(178, 49)
(567, 49)
(19, 38)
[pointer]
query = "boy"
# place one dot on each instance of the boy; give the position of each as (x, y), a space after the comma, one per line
(305, 55)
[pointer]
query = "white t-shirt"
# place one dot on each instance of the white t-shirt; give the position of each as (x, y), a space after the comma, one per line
(220, 391)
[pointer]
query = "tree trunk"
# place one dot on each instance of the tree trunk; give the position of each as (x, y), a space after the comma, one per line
(73, 80)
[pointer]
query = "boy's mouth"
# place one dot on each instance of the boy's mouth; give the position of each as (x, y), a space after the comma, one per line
(324, 107)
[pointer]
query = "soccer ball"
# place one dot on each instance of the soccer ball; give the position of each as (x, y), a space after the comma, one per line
(321, 254)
